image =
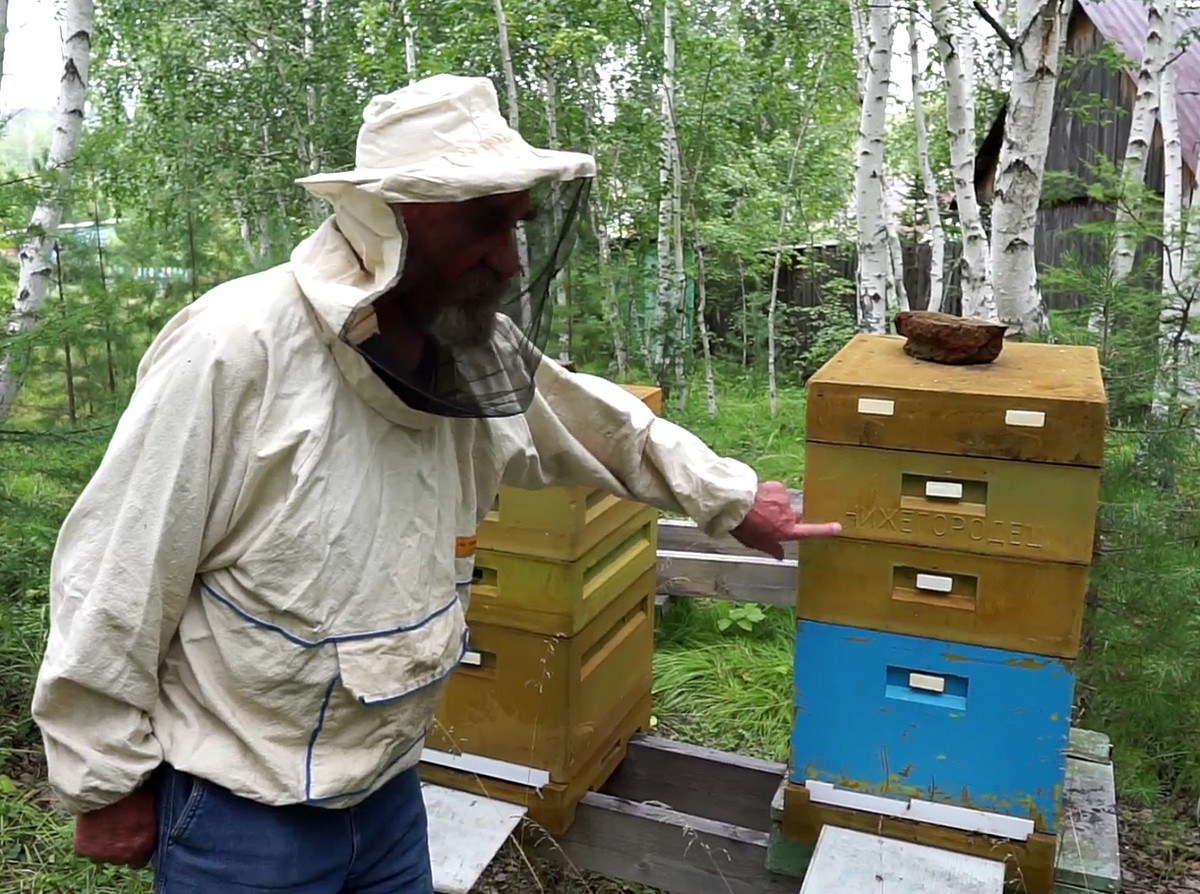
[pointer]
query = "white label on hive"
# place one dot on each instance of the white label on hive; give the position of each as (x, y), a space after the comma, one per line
(949, 490)
(876, 406)
(473, 658)
(928, 682)
(1025, 418)
(938, 582)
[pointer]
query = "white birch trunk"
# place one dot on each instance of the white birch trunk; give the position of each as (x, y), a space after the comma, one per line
(657, 326)
(34, 277)
(895, 251)
(556, 212)
(3, 33)
(954, 47)
(1178, 376)
(937, 241)
(682, 347)
(710, 383)
(1137, 149)
(612, 313)
(410, 40)
(316, 207)
(1022, 164)
(876, 286)
(514, 121)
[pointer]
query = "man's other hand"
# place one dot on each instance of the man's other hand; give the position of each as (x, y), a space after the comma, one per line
(771, 522)
(123, 833)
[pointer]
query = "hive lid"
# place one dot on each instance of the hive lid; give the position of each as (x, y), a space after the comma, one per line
(1035, 402)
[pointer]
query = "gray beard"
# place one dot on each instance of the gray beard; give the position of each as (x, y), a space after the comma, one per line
(459, 327)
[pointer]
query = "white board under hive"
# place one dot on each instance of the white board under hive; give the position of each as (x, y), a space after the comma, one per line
(466, 831)
(850, 862)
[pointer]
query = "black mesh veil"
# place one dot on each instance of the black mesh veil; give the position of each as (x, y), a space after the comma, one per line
(496, 378)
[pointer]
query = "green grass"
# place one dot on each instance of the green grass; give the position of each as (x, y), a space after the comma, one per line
(722, 671)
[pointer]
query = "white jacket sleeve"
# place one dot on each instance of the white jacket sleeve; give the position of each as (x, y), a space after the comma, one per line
(586, 430)
(127, 555)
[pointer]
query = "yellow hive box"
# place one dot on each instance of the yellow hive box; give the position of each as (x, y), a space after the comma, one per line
(1035, 402)
(559, 522)
(550, 706)
(951, 596)
(1035, 511)
(559, 598)
(551, 805)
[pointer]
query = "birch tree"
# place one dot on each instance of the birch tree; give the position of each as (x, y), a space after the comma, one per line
(1022, 164)
(34, 277)
(937, 241)
(954, 48)
(3, 32)
(550, 89)
(514, 121)
(1177, 372)
(665, 297)
(410, 39)
(1141, 129)
(876, 286)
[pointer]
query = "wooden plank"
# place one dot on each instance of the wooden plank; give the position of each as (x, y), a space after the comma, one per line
(848, 861)
(1089, 745)
(685, 777)
(466, 832)
(737, 578)
(1089, 845)
(665, 849)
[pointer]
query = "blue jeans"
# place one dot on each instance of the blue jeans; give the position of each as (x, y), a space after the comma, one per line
(211, 841)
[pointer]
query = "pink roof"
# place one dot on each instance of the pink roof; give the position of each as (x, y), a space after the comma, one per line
(1123, 24)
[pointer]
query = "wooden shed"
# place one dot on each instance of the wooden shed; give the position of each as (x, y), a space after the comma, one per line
(1093, 103)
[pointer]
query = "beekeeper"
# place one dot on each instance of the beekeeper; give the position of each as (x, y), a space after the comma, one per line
(253, 602)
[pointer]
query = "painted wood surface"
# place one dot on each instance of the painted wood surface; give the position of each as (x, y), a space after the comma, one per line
(850, 862)
(955, 596)
(1029, 511)
(466, 831)
(908, 717)
(549, 702)
(963, 410)
(559, 598)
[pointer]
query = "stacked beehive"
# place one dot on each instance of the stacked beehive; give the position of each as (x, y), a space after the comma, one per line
(558, 679)
(936, 638)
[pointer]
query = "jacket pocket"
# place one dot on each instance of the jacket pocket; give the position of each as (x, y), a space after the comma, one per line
(375, 711)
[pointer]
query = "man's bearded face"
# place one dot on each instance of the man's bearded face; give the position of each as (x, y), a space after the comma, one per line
(461, 260)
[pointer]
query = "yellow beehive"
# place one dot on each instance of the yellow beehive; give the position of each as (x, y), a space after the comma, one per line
(559, 598)
(559, 708)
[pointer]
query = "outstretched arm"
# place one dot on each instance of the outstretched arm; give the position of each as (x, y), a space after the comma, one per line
(586, 430)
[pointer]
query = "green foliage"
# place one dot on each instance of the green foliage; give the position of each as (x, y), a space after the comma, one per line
(1143, 679)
